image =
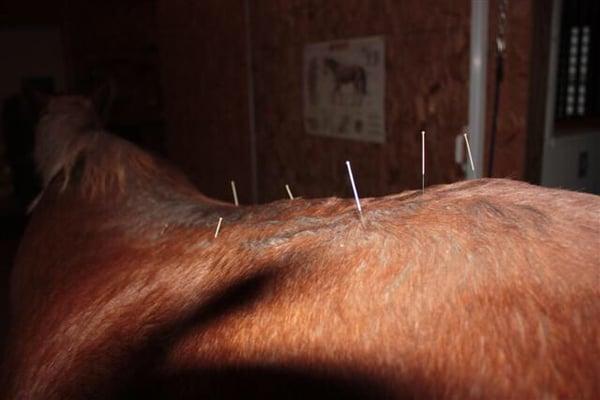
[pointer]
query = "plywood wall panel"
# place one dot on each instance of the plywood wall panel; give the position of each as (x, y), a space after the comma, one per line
(427, 84)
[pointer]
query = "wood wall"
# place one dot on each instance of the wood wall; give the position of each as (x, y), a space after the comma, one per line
(427, 47)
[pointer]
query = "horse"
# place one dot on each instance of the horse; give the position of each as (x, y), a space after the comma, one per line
(354, 75)
(122, 289)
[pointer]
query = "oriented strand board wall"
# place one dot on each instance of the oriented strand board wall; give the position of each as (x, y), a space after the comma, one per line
(427, 52)
(204, 67)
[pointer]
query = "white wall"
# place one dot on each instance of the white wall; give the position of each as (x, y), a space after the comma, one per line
(560, 164)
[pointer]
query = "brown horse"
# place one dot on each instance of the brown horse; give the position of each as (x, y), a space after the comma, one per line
(354, 75)
(480, 289)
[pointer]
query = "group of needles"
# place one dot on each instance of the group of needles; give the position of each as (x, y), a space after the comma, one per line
(353, 184)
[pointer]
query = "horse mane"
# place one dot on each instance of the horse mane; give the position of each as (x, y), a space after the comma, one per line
(72, 149)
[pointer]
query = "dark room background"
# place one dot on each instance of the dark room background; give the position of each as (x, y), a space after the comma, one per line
(217, 86)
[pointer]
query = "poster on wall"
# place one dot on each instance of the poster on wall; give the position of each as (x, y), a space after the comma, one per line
(344, 89)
